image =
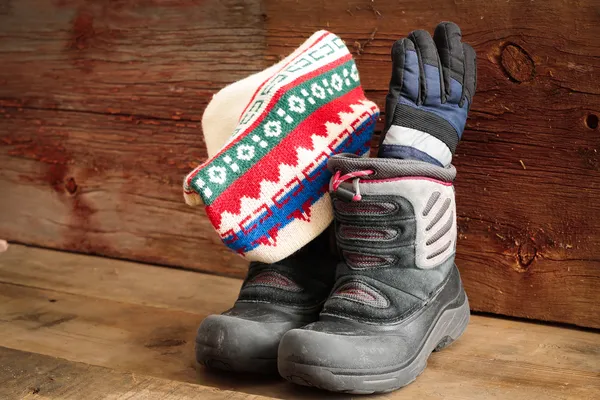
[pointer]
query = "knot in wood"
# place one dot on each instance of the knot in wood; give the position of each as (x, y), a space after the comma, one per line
(517, 63)
(71, 186)
(527, 253)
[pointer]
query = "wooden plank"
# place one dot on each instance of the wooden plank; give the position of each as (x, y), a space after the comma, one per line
(110, 181)
(100, 107)
(117, 280)
(127, 337)
(26, 375)
(154, 58)
(108, 185)
(94, 320)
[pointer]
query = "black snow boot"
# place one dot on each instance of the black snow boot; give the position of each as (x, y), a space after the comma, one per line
(274, 298)
(398, 295)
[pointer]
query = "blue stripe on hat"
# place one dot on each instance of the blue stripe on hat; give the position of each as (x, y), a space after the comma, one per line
(312, 187)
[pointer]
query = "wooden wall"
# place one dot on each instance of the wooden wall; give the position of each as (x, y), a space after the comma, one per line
(100, 104)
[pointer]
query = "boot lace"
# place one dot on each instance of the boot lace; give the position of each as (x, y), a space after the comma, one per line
(338, 179)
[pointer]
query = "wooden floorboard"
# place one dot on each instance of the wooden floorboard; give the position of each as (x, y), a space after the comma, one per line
(117, 280)
(26, 375)
(141, 320)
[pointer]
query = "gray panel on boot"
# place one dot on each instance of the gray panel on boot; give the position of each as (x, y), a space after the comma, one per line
(401, 274)
(401, 220)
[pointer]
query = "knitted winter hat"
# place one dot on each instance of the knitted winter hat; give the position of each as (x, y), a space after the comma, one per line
(223, 112)
(265, 191)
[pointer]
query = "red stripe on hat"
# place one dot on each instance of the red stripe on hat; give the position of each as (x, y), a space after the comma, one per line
(286, 152)
(274, 100)
(279, 93)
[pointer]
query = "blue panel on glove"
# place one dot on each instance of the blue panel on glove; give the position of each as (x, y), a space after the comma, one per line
(450, 110)
(410, 77)
(431, 90)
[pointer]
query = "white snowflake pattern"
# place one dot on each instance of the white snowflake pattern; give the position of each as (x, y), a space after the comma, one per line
(354, 73)
(217, 175)
(336, 82)
(317, 91)
(297, 104)
(273, 128)
(245, 152)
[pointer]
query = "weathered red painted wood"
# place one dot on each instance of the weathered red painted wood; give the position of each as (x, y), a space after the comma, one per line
(100, 105)
(105, 184)
(159, 58)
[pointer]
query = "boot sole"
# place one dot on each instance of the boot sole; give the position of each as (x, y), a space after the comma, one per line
(449, 327)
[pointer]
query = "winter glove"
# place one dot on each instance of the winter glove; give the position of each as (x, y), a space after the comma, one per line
(431, 89)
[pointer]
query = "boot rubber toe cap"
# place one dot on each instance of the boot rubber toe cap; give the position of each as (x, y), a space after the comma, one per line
(343, 352)
(232, 337)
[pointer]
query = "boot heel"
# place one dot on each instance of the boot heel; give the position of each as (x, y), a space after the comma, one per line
(457, 325)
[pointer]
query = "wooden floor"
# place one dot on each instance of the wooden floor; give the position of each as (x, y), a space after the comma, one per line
(82, 327)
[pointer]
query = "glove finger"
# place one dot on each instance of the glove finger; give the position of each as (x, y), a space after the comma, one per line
(447, 37)
(430, 74)
(470, 77)
(405, 77)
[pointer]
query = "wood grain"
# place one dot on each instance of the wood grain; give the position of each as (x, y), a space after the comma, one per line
(154, 58)
(100, 109)
(100, 105)
(117, 280)
(106, 184)
(26, 375)
(97, 315)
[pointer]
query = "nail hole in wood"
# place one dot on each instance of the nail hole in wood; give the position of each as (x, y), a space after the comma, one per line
(591, 121)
